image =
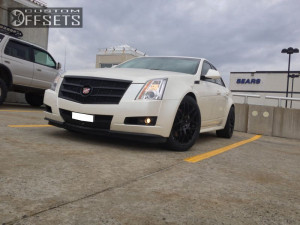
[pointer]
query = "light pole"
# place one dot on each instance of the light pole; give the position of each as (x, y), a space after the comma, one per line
(289, 51)
(293, 76)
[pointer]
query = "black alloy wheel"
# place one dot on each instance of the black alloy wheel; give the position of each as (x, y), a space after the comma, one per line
(3, 91)
(229, 127)
(34, 99)
(186, 125)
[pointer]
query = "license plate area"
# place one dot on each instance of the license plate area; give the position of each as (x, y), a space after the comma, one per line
(83, 117)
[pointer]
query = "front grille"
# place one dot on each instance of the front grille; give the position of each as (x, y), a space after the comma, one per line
(100, 121)
(102, 90)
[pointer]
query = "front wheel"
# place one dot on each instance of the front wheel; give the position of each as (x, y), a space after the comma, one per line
(229, 127)
(3, 91)
(186, 126)
(34, 99)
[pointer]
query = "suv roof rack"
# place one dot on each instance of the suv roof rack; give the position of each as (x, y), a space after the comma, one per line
(10, 31)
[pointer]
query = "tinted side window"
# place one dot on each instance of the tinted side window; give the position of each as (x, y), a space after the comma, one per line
(42, 57)
(18, 50)
(205, 68)
(107, 65)
(1, 37)
(219, 81)
(222, 82)
(214, 68)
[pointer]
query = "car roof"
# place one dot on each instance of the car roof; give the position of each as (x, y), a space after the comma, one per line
(184, 57)
(18, 39)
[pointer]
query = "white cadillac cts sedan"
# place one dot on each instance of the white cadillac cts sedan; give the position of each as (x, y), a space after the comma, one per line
(162, 99)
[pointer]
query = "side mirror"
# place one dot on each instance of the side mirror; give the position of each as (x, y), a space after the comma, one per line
(212, 74)
(114, 66)
(58, 66)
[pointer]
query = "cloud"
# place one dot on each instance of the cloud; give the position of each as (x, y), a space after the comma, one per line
(234, 35)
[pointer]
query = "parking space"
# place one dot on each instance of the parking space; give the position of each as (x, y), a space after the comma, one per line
(51, 176)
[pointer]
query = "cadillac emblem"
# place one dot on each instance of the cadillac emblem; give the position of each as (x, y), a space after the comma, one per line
(86, 90)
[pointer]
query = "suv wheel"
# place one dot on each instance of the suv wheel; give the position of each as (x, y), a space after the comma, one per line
(229, 127)
(34, 99)
(3, 91)
(186, 126)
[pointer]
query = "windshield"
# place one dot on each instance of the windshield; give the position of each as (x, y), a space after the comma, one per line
(181, 65)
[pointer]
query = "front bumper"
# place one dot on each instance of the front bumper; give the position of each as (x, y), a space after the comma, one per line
(164, 110)
(151, 138)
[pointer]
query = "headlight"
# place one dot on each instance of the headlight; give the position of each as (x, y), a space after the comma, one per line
(153, 89)
(54, 84)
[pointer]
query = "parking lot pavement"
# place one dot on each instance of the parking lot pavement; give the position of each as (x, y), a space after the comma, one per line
(52, 176)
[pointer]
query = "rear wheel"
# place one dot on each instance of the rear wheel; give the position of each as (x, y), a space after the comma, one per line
(3, 91)
(34, 99)
(186, 126)
(229, 127)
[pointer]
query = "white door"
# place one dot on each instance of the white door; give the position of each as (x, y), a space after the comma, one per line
(207, 101)
(17, 56)
(206, 98)
(44, 69)
(221, 99)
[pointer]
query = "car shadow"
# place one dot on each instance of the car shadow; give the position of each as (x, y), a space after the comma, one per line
(107, 141)
(118, 142)
(16, 106)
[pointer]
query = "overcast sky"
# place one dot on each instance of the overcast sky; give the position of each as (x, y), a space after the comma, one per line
(234, 35)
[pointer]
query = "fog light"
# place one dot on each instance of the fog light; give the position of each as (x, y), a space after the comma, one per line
(141, 120)
(147, 121)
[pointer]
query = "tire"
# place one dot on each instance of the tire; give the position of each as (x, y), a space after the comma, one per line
(34, 99)
(186, 126)
(3, 91)
(229, 127)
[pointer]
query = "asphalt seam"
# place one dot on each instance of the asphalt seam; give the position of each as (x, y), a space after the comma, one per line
(92, 195)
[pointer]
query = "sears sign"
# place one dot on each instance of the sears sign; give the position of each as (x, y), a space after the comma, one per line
(248, 81)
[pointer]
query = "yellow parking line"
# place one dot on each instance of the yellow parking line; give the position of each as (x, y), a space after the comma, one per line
(207, 155)
(30, 125)
(4, 110)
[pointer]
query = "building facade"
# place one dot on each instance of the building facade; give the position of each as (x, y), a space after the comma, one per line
(109, 57)
(265, 83)
(38, 36)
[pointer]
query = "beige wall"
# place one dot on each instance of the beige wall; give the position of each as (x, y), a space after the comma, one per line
(112, 59)
(38, 36)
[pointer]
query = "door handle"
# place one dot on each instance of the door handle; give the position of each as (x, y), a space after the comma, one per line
(39, 70)
(218, 93)
(7, 61)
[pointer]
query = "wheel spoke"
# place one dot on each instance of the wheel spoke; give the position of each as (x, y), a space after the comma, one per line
(185, 123)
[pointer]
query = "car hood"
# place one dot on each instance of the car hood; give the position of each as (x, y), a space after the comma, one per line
(134, 75)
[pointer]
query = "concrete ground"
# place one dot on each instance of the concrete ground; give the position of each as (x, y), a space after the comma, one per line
(51, 176)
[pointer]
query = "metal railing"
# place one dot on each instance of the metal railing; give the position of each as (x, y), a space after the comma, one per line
(39, 2)
(282, 98)
(278, 98)
(246, 96)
